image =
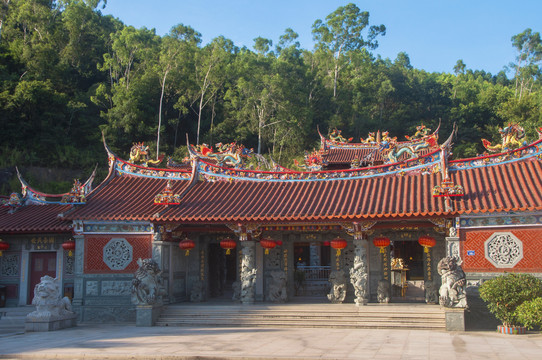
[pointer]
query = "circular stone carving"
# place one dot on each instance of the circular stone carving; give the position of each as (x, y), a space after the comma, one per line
(503, 250)
(118, 254)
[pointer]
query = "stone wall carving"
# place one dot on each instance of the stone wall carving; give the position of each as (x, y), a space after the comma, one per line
(147, 286)
(503, 250)
(9, 265)
(50, 305)
(277, 287)
(116, 288)
(337, 293)
(452, 292)
(358, 273)
(92, 288)
(117, 254)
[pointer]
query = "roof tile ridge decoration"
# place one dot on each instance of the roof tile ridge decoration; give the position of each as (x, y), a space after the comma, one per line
(31, 196)
(194, 176)
(120, 167)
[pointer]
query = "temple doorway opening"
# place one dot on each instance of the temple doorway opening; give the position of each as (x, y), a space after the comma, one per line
(407, 271)
(312, 267)
(222, 272)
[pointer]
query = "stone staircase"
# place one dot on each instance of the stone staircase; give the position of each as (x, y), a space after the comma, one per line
(12, 319)
(374, 316)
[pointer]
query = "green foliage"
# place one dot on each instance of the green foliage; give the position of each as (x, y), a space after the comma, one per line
(504, 294)
(530, 313)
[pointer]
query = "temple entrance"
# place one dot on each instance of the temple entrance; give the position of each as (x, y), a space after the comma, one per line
(312, 268)
(407, 274)
(41, 264)
(222, 272)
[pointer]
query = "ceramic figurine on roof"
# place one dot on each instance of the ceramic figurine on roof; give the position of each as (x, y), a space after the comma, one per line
(313, 161)
(421, 132)
(231, 154)
(15, 200)
(392, 152)
(139, 153)
(76, 194)
(511, 135)
(336, 136)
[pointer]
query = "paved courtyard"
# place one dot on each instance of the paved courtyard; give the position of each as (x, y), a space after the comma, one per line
(129, 342)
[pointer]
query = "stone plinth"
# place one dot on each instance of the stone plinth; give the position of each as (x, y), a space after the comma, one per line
(50, 324)
(146, 315)
(455, 319)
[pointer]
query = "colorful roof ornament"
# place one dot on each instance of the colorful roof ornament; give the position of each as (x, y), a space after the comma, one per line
(76, 194)
(139, 153)
(227, 154)
(15, 200)
(336, 136)
(511, 135)
(448, 188)
(313, 161)
(167, 197)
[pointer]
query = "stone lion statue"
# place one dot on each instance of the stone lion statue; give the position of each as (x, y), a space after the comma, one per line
(452, 292)
(147, 286)
(49, 303)
(277, 287)
(337, 293)
(383, 291)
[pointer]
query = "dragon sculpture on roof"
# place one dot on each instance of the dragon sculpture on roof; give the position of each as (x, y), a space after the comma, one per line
(139, 153)
(511, 135)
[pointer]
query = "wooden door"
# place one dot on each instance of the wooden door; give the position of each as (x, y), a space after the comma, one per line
(41, 264)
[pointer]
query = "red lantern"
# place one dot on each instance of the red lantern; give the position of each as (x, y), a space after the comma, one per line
(228, 244)
(187, 245)
(267, 244)
(4, 246)
(338, 244)
(381, 242)
(69, 246)
(427, 242)
(279, 242)
(327, 243)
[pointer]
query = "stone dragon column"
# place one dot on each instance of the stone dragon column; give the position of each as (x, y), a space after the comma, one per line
(248, 270)
(359, 274)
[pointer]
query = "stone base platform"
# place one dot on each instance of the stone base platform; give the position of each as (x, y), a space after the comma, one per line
(50, 325)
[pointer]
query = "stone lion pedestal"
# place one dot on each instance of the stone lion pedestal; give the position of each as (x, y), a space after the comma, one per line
(147, 292)
(52, 311)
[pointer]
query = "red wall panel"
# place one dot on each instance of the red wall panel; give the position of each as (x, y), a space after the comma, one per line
(94, 245)
(474, 240)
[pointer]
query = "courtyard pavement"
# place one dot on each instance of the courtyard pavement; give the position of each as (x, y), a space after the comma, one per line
(89, 341)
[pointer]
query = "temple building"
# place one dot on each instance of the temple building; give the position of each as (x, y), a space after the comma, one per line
(362, 222)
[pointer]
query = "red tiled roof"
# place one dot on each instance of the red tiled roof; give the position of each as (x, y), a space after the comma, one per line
(34, 219)
(125, 198)
(505, 187)
(345, 156)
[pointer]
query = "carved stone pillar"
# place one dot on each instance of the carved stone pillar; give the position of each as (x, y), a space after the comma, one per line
(248, 270)
(359, 276)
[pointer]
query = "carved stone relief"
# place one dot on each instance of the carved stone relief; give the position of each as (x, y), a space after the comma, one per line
(117, 254)
(116, 288)
(9, 265)
(503, 250)
(92, 288)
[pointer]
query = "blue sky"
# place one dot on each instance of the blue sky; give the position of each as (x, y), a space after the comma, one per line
(434, 33)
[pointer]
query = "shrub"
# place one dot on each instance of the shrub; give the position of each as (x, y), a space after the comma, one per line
(530, 313)
(505, 293)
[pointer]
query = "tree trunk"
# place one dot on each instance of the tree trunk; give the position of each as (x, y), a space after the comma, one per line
(160, 115)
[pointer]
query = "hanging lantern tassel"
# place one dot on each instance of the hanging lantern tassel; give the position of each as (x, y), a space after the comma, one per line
(228, 244)
(427, 242)
(3, 246)
(338, 244)
(187, 245)
(70, 246)
(267, 244)
(381, 242)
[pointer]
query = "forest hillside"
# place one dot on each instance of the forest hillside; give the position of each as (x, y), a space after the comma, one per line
(69, 73)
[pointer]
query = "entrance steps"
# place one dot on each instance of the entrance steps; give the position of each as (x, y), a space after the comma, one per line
(374, 316)
(12, 319)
